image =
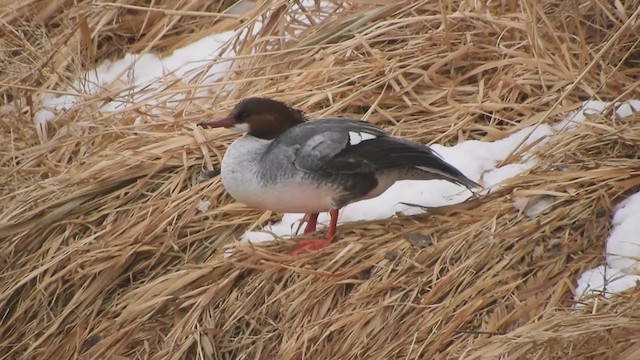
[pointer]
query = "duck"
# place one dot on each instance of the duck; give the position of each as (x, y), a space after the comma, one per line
(287, 163)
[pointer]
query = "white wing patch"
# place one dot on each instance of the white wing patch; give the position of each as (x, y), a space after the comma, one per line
(356, 137)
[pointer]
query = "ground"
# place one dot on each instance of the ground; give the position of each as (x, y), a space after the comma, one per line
(106, 252)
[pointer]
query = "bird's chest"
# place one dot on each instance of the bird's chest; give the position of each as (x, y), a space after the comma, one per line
(241, 168)
(270, 182)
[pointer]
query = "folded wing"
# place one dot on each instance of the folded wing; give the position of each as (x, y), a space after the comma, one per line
(339, 146)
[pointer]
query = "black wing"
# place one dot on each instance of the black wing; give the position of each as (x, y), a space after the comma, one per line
(388, 153)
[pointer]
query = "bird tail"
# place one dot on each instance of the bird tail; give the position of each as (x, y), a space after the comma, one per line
(449, 173)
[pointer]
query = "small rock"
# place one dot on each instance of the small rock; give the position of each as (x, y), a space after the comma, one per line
(203, 205)
(206, 175)
(535, 206)
(418, 239)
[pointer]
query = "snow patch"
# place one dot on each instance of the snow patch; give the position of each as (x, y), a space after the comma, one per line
(622, 253)
(142, 78)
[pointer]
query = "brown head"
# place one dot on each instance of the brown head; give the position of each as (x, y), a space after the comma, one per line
(260, 117)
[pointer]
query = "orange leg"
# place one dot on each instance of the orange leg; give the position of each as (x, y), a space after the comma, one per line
(316, 244)
(312, 220)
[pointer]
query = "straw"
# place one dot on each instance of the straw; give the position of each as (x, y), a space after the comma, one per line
(106, 255)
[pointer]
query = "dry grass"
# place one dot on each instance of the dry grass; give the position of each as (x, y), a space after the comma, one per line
(103, 253)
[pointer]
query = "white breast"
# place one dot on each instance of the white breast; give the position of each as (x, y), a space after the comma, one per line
(241, 177)
(240, 168)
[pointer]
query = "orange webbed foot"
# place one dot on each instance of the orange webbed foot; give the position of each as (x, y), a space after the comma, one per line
(303, 246)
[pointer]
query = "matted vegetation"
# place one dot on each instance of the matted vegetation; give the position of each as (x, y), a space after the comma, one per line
(103, 253)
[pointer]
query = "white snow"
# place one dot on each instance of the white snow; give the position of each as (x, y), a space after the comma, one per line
(141, 78)
(623, 246)
(622, 254)
(623, 109)
(603, 280)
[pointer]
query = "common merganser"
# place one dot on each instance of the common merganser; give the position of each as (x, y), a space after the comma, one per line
(285, 163)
